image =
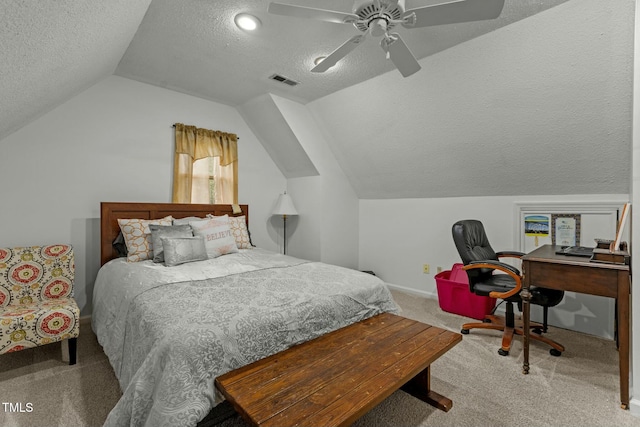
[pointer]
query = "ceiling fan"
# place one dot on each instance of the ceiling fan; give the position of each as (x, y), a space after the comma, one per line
(378, 17)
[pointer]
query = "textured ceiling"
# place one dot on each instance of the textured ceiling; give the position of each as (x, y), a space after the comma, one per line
(53, 50)
(195, 47)
(530, 103)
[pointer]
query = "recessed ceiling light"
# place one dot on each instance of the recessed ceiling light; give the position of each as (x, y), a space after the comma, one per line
(318, 60)
(247, 22)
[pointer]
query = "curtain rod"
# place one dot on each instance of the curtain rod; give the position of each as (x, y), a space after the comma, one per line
(173, 126)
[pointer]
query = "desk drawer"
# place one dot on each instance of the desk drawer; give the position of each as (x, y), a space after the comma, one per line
(565, 277)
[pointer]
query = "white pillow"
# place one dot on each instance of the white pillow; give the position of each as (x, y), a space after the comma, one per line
(218, 239)
(238, 225)
(137, 236)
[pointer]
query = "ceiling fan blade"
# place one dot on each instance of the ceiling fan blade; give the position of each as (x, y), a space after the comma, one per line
(455, 12)
(311, 13)
(338, 54)
(400, 54)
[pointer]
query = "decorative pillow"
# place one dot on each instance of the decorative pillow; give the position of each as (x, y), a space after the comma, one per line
(119, 245)
(179, 250)
(137, 236)
(238, 225)
(160, 231)
(217, 235)
(187, 220)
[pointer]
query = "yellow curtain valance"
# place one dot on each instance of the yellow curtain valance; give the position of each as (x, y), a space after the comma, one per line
(193, 144)
(200, 143)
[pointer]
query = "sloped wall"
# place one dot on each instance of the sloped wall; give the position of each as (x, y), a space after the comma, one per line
(541, 106)
(331, 202)
(271, 128)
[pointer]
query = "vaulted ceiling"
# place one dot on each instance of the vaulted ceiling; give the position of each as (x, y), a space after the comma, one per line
(531, 96)
(194, 46)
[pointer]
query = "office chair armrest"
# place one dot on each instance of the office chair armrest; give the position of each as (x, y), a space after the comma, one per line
(510, 254)
(505, 268)
(496, 265)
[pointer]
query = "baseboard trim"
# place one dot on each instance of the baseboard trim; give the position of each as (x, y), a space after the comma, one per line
(419, 292)
(430, 295)
(634, 407)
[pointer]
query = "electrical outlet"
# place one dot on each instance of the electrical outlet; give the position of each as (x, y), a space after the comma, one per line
(425, 268)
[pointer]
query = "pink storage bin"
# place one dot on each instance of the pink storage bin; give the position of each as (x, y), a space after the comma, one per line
(455, 297)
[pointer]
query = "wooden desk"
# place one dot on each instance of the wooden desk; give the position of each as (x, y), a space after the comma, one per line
(542, 267)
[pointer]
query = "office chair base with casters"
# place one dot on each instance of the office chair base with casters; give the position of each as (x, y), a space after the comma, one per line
(500, 323)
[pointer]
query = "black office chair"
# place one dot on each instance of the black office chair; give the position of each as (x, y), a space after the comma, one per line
(481, 262)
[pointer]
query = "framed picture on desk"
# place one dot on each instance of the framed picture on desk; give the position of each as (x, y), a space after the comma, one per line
(536, 229)
(565, 229)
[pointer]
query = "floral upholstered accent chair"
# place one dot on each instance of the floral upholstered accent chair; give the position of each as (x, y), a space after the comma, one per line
(36, 298)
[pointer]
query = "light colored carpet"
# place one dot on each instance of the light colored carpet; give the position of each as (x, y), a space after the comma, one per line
(580, 388)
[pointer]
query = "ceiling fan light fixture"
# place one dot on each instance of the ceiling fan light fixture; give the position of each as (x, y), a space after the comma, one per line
(378, 27)
(377, 17)
(247, 22)
(318, 60)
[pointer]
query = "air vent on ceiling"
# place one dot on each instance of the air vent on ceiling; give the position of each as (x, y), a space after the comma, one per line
(283, 79)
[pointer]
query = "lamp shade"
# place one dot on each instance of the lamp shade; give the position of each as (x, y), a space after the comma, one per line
(284, 206)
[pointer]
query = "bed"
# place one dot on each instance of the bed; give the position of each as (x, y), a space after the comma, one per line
(170, 331)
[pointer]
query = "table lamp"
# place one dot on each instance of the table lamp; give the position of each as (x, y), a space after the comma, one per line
(284, 207)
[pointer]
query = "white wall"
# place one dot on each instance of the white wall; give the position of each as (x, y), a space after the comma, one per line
(114, 142)
(304, 230)
(634, 405)
(329, 206)
(398, 236)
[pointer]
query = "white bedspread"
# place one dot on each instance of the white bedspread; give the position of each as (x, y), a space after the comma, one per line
(170, 331)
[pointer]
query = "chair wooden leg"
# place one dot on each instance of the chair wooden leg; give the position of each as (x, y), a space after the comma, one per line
(493, 326)
(73, 349)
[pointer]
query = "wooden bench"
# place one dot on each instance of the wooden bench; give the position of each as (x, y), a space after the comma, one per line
(335, 379)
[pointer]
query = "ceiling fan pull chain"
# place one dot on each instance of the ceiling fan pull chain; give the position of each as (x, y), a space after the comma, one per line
(384, 44)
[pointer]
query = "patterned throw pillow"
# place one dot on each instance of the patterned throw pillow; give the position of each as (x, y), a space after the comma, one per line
(160, 231)
(180, 250)
(238, 225)
(239, 230)
(137, 237)
(218, 238)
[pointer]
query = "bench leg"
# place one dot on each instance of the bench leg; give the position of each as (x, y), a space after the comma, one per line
(420, 387)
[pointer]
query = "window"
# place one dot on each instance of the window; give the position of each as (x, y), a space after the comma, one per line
(205, 166)
(203, 184)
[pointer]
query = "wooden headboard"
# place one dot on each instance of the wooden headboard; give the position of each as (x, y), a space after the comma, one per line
(110, 212)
